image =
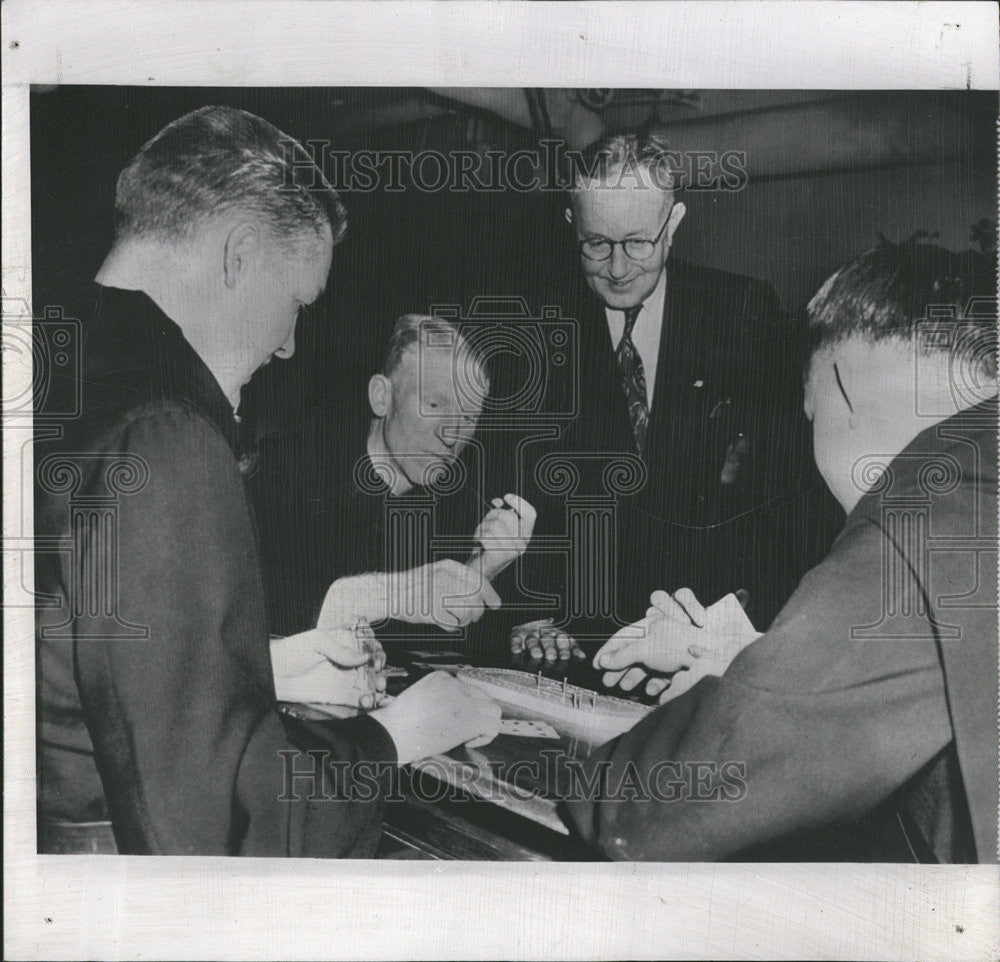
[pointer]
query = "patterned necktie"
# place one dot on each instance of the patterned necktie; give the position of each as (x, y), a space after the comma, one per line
(633, 380)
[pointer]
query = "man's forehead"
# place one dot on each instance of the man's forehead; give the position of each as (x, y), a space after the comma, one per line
(598, 199)
(439, 363)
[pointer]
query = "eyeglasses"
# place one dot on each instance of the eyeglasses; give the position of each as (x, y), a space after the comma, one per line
(636, 249)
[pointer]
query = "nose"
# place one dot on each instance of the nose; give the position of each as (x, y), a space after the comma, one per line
(619, 264)
(456, 435)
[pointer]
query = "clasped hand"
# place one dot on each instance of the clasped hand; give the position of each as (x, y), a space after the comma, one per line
(678, 637)
(445, 593)
(504, 533)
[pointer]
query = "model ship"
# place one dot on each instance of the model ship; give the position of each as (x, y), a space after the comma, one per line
(574, 711)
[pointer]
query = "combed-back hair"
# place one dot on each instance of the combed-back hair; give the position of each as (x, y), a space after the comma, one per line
(890, 290)
(437, 332)
(609, 158)
(217, 159)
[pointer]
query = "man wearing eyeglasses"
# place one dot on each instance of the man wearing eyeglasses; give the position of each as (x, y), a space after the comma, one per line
(685, 368)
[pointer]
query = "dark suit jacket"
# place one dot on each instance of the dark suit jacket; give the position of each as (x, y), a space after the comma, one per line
(324, 514)
(156, 695)
(728, 461)
(872, 696)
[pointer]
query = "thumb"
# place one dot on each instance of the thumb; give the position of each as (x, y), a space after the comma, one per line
(340, 647)
(629, 654)
(522, 507)
(342, 658)
(490, 598)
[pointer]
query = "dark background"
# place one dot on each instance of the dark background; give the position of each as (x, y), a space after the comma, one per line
(829, 173)
(404, 251)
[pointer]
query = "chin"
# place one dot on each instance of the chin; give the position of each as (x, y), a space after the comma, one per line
(623, 297)
(431, 471)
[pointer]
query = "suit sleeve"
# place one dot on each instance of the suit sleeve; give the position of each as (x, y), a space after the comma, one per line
(293, 512)
(192, 753)
(819, 720)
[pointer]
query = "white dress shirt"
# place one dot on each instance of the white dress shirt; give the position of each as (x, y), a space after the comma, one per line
(646, 333)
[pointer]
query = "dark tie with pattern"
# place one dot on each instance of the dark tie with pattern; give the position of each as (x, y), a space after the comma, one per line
(633, 380)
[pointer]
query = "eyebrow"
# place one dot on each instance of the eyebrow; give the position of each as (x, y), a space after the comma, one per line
(631, 235)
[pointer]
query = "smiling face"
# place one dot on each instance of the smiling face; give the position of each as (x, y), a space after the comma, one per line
(424, 423)
(628, 209)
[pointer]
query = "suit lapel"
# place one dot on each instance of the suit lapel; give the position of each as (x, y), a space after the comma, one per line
(679, 355)
(666, 358)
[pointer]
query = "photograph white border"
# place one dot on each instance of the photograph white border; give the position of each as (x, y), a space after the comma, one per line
(182, 908)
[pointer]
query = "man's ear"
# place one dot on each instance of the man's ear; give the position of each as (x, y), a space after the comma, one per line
(241, 242)
(676, 216)
(379, 394)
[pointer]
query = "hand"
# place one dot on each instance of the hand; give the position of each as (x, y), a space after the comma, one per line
(504, 534)
(656, 644)
(542, 639)
(730, 629)
(726, 620)
(331, 667)
(445, 593)
(678, 635)
(437, 714)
